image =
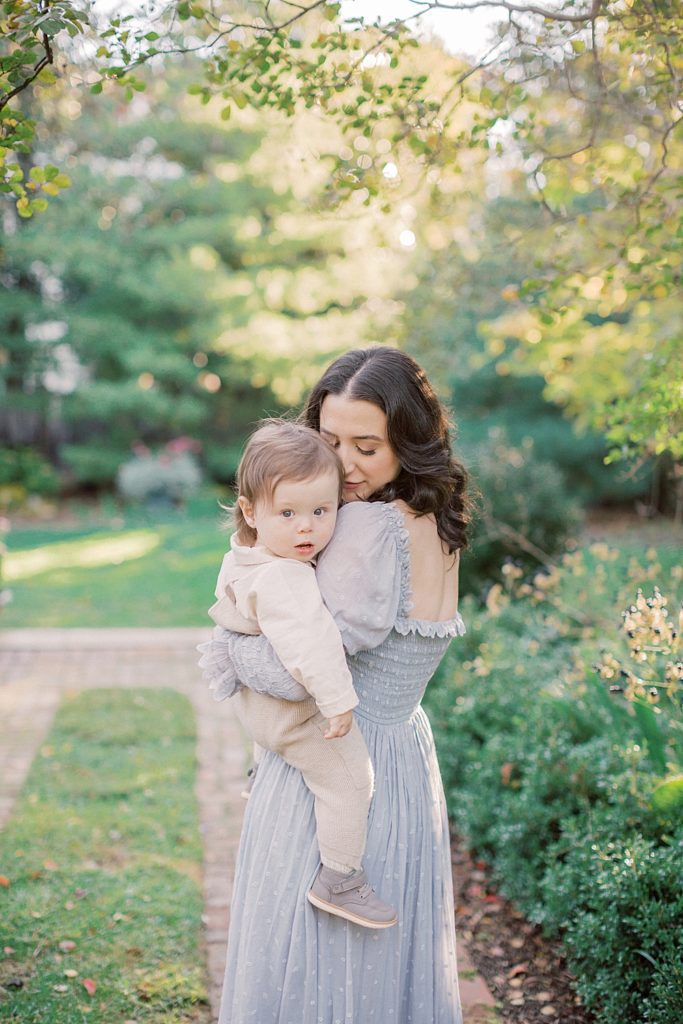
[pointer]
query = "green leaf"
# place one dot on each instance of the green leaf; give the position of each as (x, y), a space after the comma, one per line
(96, 88)
(668, 796)
(226, 113)
(652, 733)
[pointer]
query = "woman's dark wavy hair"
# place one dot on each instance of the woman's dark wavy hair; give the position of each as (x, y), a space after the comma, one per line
(430, 480)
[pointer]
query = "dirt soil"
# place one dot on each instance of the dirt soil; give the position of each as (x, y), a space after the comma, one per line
(526, 973)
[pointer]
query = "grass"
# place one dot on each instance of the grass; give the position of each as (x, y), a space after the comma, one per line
(136, 569)
(142, 568)
(101, 865)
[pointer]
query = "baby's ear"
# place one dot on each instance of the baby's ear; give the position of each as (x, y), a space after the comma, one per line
(247, 510)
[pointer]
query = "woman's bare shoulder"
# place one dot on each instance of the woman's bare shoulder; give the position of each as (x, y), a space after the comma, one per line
(434, 570)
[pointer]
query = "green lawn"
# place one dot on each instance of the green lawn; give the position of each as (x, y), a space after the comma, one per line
(141, 569)
(101, 900)
(159, 569)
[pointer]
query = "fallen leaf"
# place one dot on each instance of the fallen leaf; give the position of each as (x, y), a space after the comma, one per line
(90, 986)
(497, 951)
(50, 865)
(517, 1001)
(9, 950)
(80, 893)
(70, 973)
(518, 969)
(4, 881)
(60, 988)
(543, 997)
(548, 1011)
(67, 945)
(517, 943)
(516, 982)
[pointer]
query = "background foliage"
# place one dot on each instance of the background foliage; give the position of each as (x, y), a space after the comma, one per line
(555, 779)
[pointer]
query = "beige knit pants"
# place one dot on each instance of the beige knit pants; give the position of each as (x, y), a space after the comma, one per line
(338, 772)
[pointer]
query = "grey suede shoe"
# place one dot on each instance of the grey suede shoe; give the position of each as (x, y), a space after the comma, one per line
(351, 897)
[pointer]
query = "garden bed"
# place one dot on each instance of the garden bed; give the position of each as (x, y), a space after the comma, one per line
(526, 972)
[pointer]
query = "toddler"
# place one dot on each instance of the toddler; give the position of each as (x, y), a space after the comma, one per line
(289, 486)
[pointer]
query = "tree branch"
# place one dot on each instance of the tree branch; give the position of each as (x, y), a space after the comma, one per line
(543, 12)
(42, 63)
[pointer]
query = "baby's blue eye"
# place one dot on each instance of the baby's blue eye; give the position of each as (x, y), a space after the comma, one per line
(318, 511)
(287, 513)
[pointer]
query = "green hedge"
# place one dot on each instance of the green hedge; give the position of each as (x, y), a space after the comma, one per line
(551, 776)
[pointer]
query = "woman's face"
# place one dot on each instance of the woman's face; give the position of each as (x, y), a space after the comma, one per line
(358, 432)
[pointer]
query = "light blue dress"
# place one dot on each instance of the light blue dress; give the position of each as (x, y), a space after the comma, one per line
(287, 962)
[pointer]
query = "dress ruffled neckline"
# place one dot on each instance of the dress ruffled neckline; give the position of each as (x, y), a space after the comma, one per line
(405, 623)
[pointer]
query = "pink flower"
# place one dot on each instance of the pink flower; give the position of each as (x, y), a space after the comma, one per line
(179, 445)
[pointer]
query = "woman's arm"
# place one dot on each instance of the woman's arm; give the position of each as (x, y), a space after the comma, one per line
(238, 659)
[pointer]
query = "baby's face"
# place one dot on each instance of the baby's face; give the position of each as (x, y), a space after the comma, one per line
(300, 519)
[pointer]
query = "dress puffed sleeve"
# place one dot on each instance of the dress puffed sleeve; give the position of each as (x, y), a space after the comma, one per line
(360, 573)
(232, 660)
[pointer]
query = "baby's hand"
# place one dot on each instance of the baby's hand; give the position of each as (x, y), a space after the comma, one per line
(339, 725)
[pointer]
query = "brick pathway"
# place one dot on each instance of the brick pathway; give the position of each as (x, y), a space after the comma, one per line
(38, 665)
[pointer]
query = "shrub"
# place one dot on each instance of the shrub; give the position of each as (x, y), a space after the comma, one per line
(93, 465)
(222, 460)
(570, 791)
(24, 472)
(527, 512)
(169, 476)
(619, 904)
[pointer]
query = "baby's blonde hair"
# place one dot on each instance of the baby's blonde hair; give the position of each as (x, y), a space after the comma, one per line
(280, 450)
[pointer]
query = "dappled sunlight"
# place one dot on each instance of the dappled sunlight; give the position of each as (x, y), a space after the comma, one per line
(81, 554)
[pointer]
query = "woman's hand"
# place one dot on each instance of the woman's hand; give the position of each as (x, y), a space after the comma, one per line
(339, 725)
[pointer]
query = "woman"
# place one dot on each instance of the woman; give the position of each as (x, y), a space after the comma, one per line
(390, 579)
